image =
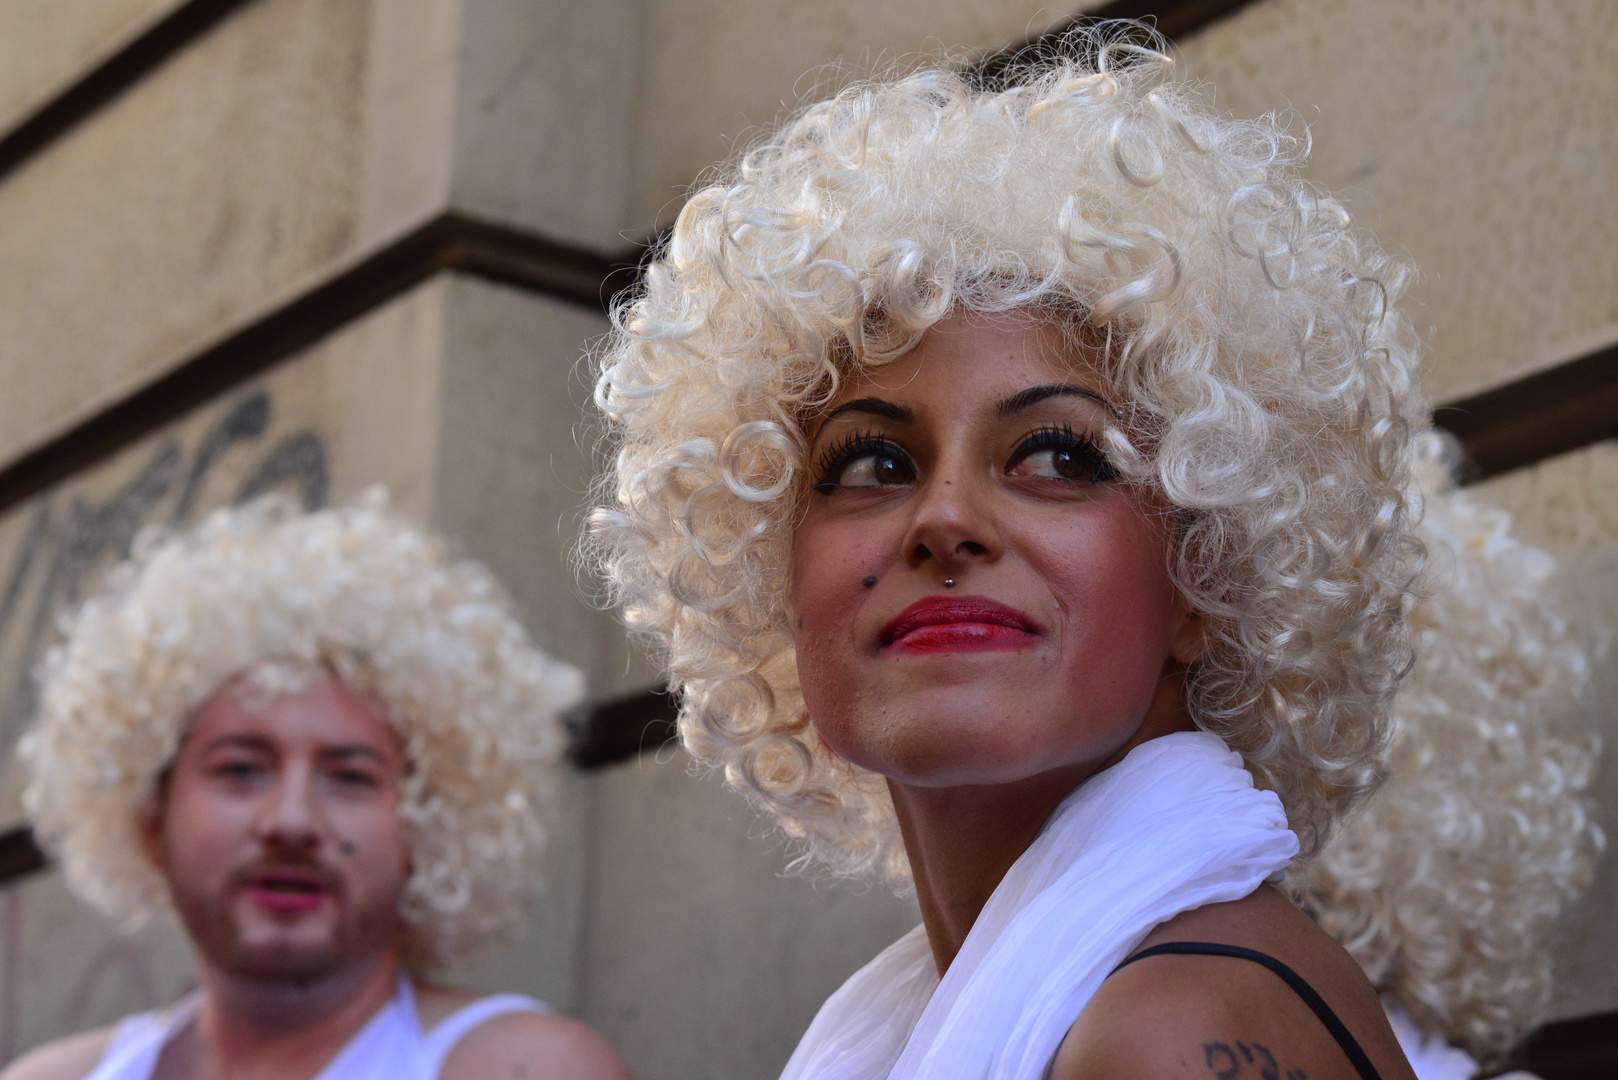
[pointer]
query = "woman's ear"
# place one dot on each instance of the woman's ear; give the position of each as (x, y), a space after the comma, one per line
(1189, 641)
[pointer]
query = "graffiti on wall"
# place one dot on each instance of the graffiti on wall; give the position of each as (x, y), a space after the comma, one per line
(71, 539)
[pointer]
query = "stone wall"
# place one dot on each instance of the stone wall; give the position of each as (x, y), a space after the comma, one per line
(46, 45)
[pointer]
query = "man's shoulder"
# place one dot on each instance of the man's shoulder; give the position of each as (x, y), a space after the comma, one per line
(528, 1044)
(72, 1058)
(515, 1044)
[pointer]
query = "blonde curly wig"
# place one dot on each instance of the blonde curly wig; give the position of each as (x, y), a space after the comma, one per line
(356, 589)
(1264, 373)
(1447, 884)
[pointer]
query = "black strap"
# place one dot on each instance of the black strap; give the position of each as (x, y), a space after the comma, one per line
(1350, 1045)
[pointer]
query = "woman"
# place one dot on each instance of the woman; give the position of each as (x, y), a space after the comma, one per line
(1015, 482)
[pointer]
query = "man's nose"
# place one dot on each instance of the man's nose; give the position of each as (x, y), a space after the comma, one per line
(290, 818)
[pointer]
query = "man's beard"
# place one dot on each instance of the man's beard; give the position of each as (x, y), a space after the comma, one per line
(210, 921)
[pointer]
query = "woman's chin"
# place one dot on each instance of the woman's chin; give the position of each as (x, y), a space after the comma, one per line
(950, 749)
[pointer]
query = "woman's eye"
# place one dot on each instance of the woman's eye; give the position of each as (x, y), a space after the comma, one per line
(865, 463)
(1060, 455)
(238, 770)
(875, 470)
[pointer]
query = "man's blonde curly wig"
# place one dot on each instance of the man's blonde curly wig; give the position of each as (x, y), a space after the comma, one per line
(1263, 372)
(1447, 885)
(358, 590)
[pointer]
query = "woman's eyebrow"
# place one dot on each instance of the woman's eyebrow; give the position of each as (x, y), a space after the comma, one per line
(1024, 399)
(876, 407)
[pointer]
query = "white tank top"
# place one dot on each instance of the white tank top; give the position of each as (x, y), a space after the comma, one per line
(391, 1045)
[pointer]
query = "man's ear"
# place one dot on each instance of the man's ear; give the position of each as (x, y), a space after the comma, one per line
(149, 822)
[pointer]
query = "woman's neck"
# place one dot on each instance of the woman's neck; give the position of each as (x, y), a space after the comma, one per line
(962, 840)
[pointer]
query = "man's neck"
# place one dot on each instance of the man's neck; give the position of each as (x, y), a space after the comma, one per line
(286, 1028)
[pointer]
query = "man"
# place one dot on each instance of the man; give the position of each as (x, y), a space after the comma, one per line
(328, 749)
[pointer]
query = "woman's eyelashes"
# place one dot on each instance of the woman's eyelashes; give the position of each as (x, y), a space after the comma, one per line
(863, 460)
(1057, 453)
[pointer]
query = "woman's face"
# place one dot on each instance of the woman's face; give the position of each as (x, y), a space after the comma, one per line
(975, 460)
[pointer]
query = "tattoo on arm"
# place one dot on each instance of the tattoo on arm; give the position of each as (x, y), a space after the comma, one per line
(1245, 1061)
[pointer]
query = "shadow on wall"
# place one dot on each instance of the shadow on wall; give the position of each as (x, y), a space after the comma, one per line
(70, 541)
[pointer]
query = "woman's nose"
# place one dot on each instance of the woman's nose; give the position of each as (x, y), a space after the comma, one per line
(953, 523)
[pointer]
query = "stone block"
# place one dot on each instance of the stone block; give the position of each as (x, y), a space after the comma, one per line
(45, 45)
(1476, 138)
(223, 181)
(281, 147)
(543, 103)
(516, 459)
(702, 960)
(713, 72)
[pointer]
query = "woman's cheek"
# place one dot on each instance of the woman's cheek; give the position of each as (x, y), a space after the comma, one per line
(828, 596)
(831, 561)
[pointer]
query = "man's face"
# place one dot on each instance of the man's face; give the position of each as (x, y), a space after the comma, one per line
(279, 830)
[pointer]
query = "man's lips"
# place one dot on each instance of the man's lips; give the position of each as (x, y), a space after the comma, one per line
(289, 891)
(958, 624)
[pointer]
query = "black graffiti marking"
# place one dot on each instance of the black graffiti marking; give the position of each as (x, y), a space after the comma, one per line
(86, 537)
(297, 459)
(65, 549)
(24, 562)
(246, 421)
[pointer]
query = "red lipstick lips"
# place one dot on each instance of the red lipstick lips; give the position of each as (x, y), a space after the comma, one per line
(958, 624)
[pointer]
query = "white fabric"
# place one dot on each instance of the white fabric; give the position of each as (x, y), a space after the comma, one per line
(1431, 1058)
(391, 1045)
(1177, 824)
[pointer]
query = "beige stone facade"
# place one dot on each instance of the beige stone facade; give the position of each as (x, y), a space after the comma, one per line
(293, 152)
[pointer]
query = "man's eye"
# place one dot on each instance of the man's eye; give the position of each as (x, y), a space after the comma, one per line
(355, 778)
(238, 770)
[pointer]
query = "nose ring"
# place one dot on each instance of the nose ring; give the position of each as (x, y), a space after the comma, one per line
(949, 583)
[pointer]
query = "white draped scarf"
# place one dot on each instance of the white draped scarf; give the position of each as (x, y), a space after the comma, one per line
(1177, 824)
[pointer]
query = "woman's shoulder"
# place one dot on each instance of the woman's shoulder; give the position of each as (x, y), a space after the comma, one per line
(1226, 1017)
